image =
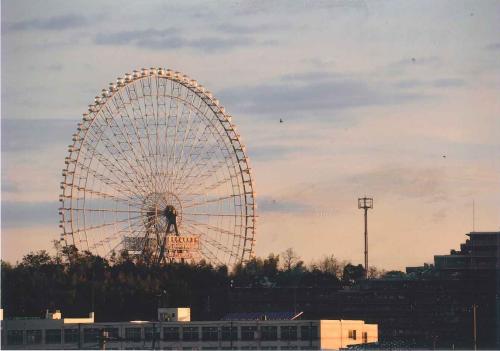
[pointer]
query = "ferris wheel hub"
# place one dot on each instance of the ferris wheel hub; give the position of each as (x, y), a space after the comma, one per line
(162, 210)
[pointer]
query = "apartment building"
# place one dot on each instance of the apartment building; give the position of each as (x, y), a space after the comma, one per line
(175, 331)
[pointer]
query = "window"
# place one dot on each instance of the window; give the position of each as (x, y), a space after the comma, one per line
(309, 332)
(148, 333)
(90, 335)
(190, 334)
(53, 336)
(15, 337)
(133, 334)
(171, 333)
(248, 333)
(352, 334)
(33, 337)
(229, 333)
(289, 333)
(112, 333)
(209, 334)
(365, 337)
(269, 333)
(71, 336)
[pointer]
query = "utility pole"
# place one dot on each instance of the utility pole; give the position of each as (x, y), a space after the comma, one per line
(366, 203)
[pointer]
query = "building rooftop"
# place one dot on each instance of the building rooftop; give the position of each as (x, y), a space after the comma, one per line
(269, 316)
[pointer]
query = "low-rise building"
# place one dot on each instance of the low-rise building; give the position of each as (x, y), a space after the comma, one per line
(175, 331)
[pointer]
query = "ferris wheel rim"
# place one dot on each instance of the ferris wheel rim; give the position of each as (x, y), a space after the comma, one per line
(224, 119)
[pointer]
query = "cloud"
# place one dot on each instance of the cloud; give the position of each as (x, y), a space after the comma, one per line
(231, 28)
(169, 39)
(419, 183)
(493, 46)
(54, 23)
(26, 214)
(268, 204)
(19, 135)
(448, 82)
(314, 92)
(270, 152)
(436, 83)
(417, 61)
(7, 185)
(55, 67)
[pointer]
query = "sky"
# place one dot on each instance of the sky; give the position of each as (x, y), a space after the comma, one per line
(397, 100)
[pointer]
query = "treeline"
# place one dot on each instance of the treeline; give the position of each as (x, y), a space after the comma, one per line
(122, 288)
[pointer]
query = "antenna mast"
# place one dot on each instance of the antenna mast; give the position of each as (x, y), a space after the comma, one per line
(473, 215)
(366, 203)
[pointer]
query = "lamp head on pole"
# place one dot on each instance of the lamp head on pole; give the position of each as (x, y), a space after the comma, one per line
(365, 202)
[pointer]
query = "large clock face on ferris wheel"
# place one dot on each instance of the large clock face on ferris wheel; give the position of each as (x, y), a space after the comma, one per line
(157, 168)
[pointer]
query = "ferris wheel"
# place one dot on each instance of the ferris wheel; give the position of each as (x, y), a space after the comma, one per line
(157, 169)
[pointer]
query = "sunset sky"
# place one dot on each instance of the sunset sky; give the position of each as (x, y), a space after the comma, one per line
(398, 100)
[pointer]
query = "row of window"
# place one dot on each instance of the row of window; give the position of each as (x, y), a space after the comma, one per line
(91, 335)
(353, 335)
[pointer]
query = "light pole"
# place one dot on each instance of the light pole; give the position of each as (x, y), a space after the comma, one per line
(366, 203)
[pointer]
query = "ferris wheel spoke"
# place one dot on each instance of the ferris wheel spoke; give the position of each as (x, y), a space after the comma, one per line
(203, 239)
(183, 121)
(145, 103)
(221, 198)
(104, 225)
(184, 129)
(144, 158)
(215, 244)
(196, 181)
(216, 164)
(210, 256)
(214, 215)
(114, 166)
(105, 210)
(123, 137)
(141, 124)
(102, 195)
(119, 187)
(194, 153)
(174, 116)
(164, 93)
(193, 222)
(116, 235)
(171, 129)
(83, 192)
(120, 105)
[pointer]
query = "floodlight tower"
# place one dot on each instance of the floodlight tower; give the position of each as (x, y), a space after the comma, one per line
(366, 203)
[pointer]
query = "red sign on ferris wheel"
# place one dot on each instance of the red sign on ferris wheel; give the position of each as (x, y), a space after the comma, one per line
(183, 242)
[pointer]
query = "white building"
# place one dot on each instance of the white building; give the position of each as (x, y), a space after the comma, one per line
(174, 330)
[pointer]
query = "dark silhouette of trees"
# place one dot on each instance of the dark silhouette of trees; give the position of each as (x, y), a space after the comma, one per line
(352, 274)
(125, 288)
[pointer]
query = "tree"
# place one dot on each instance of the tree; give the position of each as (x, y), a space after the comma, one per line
(290, 259)
(393, 275)
(374, 272)
(329, 264)
(352, 274)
